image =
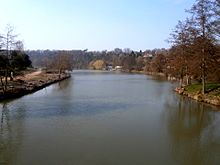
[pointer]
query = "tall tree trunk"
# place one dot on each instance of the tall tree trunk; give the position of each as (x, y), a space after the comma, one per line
(59, 73)
(181, 78)
(6, 79)
(203, 72)
(203, 79)
(3, 85)
(181, 82)
(188, 82)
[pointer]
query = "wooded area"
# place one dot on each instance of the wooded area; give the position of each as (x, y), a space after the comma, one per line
(195, 50)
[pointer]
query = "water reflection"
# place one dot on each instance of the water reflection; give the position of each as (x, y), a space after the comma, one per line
(10, 135)
(63, 84)
(191, 138)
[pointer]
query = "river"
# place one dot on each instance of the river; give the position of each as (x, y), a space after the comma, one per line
(105, 118)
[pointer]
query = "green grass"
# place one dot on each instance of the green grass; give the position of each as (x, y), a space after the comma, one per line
(194, 88)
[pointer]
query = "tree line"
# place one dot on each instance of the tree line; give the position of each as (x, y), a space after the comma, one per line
(127, 58)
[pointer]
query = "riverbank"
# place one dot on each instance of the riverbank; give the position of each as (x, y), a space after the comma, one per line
(212, 95)
(29, 83)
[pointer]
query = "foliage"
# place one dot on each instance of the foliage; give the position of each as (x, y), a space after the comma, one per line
(19, 61)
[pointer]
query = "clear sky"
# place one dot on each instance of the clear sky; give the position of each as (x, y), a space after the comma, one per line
(93, 24)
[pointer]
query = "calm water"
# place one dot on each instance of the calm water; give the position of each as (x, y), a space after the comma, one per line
(101, 118)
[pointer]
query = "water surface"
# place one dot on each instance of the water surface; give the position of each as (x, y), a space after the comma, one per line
(104, 118)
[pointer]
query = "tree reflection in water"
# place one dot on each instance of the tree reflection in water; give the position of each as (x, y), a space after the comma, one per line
(10, 136)
(191, 139)
(63, 84)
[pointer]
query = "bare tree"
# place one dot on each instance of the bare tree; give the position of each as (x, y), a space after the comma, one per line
(19, 45)
(7, 44)
(1, 41)
(182, 38)
(158, 64)
(194, 41)
(9, 39)
(62, 62)
(129, 62)
(139, 63)
(12, 56)
(203, 12)
(216, 21)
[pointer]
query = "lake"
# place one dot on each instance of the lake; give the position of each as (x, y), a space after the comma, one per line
(108, 118)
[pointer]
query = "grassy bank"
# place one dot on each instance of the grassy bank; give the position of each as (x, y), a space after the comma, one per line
(211, 89)
(212, 95)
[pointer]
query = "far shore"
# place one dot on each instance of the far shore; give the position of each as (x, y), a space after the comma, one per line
(31, 82)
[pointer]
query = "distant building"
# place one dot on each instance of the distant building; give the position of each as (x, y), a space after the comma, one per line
(147, 55)
(118, 68)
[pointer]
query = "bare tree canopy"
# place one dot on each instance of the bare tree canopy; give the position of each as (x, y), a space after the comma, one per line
(196, 42)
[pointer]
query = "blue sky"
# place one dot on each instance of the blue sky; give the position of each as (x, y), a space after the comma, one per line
(93, 24)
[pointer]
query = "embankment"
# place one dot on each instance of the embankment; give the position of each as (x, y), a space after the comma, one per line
(210, 97)
(30, 83)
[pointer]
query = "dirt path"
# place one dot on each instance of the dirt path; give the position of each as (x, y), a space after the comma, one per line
(30, 76)
(33, 74)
